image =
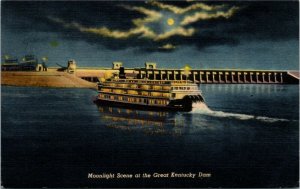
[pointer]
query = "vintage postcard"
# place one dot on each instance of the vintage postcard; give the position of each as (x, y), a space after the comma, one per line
(150, 94)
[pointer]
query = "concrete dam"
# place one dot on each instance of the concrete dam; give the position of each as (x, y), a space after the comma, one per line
(207, 76)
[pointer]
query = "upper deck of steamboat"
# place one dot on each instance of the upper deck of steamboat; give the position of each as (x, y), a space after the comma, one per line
(163, 86)
(151, 82)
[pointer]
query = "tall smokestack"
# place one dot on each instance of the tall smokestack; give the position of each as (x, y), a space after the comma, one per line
(122, 73)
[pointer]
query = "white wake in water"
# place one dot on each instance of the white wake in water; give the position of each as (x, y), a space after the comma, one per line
(202, 108)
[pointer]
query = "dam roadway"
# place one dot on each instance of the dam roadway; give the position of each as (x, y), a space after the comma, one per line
(87, 77)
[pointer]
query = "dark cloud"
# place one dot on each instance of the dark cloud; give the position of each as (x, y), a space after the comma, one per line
(267, 20)
(255, 21)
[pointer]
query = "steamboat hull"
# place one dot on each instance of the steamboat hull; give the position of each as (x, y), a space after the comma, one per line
(144, 107)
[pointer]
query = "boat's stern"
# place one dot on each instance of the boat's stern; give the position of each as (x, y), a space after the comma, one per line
(184, 95)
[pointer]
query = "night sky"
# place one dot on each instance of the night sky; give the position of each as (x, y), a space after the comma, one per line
(229, 34)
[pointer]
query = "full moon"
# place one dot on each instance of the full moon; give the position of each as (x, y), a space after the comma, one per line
(170, 21)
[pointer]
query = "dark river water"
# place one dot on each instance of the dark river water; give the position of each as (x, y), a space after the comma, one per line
(247, 137)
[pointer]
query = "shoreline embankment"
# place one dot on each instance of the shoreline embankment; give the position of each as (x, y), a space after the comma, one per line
(44, 79)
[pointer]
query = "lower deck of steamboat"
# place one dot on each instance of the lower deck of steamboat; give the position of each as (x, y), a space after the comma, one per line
(134, 99)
